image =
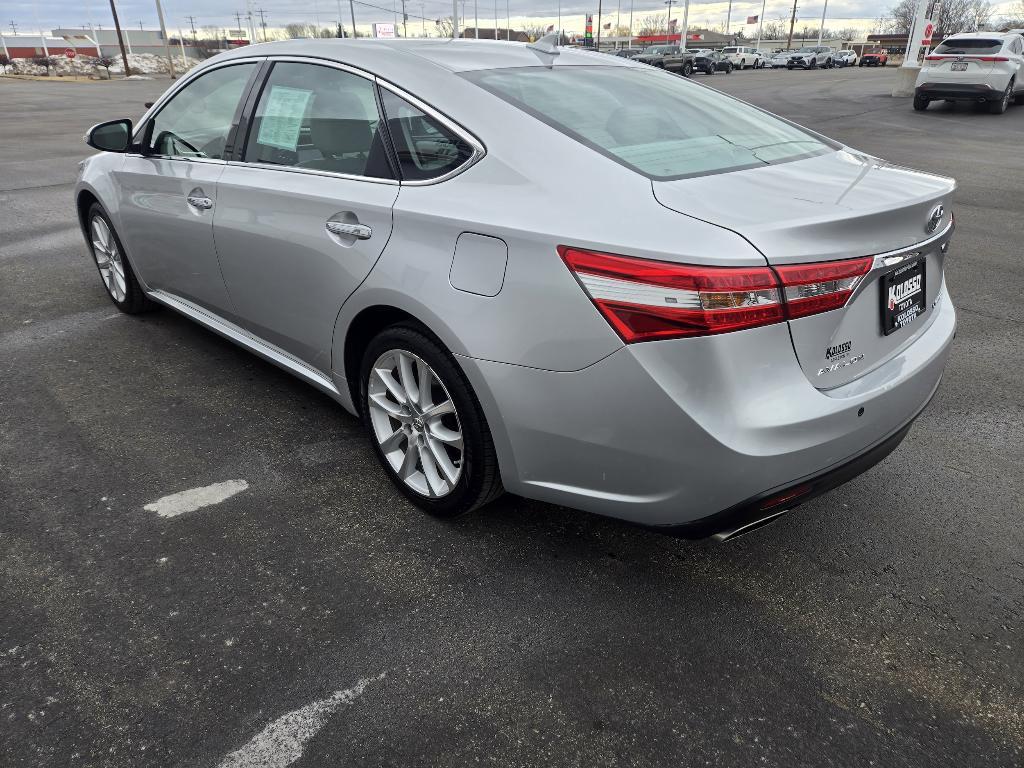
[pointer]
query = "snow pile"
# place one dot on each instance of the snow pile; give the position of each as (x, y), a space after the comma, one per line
(141, 64)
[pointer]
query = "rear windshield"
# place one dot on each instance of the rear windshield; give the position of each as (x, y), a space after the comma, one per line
(662, 126)
(970, 45)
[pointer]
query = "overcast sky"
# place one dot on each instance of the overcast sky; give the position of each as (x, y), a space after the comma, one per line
(32, 15)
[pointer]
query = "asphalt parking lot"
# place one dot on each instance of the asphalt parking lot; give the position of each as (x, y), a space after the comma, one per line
(317, 614)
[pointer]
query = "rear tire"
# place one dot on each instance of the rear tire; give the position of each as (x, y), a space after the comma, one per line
(427, 482)
(999, 107)
(112, 264)
(687, 69)
(921, 103)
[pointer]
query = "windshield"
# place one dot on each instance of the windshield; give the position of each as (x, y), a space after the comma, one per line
(808, 50)
(655, 123)
(657, 49)
(970, 45)
(729, 50)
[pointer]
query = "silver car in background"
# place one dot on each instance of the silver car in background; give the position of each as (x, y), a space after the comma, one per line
(422, 229)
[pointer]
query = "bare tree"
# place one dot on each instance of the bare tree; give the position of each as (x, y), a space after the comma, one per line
(535, 31)
(956, 16)
(106, 62)
(5, 62)
(1014, 16)
(445, 26)
(653, 24)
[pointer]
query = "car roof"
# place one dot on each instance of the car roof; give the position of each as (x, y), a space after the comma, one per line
(390, 57)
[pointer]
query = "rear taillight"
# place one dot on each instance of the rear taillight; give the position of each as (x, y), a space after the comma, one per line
(644, 300)
(967, 58)
(813, 288)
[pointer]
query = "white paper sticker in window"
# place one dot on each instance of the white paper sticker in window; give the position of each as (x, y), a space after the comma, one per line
(282, 117)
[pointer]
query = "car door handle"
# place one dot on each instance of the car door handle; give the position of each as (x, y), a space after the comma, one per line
(358, 231)
(202, 203)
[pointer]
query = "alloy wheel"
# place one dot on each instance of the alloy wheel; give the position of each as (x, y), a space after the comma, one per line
(108, 259)
(415, 422)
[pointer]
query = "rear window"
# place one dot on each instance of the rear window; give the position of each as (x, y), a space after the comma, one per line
(970, 46)
(662, 126)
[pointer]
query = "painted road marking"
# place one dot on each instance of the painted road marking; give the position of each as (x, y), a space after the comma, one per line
(196, 498)
(280, 744)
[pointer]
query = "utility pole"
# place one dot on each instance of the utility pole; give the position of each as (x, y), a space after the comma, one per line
(181, 42)
(455, 18)
(163, 32)
(476, 17)
(508, 19)
(423, 19)
(263, 21)
(352, 10)
(192, 23)
(668, 24)
(405, 21)
(14, 28)
(597, 40)
(792, 23)
(821, 29)
(120, 40)
(238, 21)
(728, 18)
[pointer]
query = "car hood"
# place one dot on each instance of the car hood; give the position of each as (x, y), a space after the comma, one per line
(839, 205)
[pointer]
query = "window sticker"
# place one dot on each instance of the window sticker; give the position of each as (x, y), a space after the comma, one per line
(282, 117)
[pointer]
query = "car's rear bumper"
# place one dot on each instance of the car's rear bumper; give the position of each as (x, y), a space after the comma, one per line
(962, 91)
(669, 433)
(871, 62)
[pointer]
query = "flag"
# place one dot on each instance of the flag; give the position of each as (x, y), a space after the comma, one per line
(607, 26)
(751, 19)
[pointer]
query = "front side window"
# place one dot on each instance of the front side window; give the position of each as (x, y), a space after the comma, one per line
(196, 122)
(319, 118)
(655, 123)
(425, 147)
(970, 46)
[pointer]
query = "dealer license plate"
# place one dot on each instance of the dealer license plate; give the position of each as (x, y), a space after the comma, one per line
(903, 296)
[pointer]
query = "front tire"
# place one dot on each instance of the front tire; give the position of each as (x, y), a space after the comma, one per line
(426, 423)
(115, 271)
(687, 69)
(921, 103)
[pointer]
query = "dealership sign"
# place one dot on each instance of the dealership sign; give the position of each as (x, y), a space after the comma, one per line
(384, 30)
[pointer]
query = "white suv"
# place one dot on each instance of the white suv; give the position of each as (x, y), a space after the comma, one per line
(743, 57)
(973, 66)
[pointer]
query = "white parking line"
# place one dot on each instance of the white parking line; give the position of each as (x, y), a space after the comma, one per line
(280, 744)
(196, 498)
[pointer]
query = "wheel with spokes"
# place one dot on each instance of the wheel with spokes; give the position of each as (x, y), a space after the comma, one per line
(426, 423)
(115, 271)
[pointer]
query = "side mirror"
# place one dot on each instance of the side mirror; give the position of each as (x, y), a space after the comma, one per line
(113, 136)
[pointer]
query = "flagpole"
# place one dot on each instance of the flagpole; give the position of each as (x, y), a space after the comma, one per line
(760, 24)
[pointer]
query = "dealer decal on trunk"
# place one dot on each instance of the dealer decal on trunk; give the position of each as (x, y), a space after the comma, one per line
(839, 352)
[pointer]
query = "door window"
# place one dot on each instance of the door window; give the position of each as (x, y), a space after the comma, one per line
(197, 120)
(320, 118)
(426, 148)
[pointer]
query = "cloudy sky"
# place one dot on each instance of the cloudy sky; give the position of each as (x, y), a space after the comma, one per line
(32, 15)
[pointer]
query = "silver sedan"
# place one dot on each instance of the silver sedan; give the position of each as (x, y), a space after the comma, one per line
(422, 229)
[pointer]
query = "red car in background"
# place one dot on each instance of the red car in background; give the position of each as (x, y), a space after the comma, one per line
(875, 58)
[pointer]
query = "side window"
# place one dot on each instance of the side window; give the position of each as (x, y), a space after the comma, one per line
(321, 118)
(197, 120)
(426, 149)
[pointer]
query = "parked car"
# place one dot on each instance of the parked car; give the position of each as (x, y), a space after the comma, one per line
(811, 57)
(846, 58)
(692, 352)
(874, 58)
(709, 61)
(627, 53)
(983, 67)
(780, 59)
(671, 58)
(745, 57)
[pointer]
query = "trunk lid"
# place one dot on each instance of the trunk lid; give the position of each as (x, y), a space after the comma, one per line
(841, 205)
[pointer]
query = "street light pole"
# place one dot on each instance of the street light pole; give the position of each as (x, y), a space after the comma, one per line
(821, 29)
(760, 24)
(686, 24)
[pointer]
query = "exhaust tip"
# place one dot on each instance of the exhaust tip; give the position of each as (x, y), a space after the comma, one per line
(730, 534)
